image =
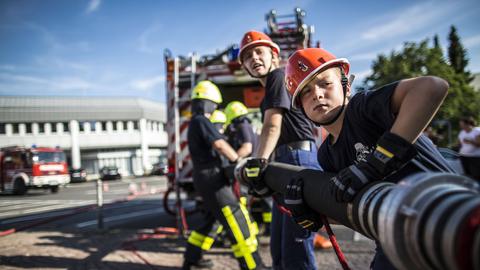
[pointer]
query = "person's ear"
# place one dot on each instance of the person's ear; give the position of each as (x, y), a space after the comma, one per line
(275, 58)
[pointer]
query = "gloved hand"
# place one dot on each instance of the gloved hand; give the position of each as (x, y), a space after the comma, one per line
(391, 154)
(301, 213)
(252, 173)
(239, 159)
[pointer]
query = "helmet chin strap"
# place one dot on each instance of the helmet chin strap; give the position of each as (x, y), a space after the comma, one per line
(344, 86)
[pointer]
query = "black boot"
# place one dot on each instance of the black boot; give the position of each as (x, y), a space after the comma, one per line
(200, 264)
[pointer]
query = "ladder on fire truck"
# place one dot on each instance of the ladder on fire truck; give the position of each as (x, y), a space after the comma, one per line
(288, 31)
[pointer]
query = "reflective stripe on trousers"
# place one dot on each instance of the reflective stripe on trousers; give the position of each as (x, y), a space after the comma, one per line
(244, 247)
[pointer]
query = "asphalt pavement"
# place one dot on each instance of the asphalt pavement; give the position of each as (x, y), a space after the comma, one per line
(137, 234)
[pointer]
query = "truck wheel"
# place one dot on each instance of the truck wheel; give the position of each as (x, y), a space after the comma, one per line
(19, 187)
(170, 203)
(54, 189)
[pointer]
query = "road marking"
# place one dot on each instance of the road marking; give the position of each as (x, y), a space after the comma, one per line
(39, 209)
(120, 217)
(36, 206)
(68, 211)
(123, 191)
(40, 216)
(4, 209)
(113, 192)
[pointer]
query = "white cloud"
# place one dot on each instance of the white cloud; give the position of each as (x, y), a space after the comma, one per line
(363, 56)
(54, 43)
(45, 34)
(72, 84)
(22, 78)
(407, 21)
(472, 41)
(148, 84)
(82, 46)
(7, 67)
(361, 75)
(144, 38)
(93, 5)
(42, 84)
(61, 64)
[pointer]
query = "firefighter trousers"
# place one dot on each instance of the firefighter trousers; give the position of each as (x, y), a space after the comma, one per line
(290, 245)
(220, 204)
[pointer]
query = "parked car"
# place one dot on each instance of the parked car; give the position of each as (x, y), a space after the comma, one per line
(160, 168)
(453, 159)
(78, 175)
(110, 173)
(471, 166)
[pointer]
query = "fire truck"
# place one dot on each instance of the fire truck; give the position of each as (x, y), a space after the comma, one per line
(23, 168)
(182, 73)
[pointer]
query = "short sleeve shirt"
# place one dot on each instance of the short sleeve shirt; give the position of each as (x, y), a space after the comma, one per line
(240, 131)
(367, 117)
(201, 135)
(295, 126)
(468, 149)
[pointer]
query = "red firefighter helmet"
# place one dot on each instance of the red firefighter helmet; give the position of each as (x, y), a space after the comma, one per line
(254, 38)
(305, 64)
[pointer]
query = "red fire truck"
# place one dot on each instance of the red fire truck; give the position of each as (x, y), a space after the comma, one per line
(23, 168)
(288, 31)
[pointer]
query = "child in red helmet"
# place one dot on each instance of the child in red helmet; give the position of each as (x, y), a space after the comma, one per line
(374, 135)
(287, 136)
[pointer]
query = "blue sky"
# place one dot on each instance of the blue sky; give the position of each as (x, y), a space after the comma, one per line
(115, 47)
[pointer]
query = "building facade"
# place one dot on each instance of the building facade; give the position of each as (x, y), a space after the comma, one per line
(93, 131)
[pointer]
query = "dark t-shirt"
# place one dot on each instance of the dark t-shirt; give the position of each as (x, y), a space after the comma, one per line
(295, 126)
(240, 131)
(201, 135)
(368, 115)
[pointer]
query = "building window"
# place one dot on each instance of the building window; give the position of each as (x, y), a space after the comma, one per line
(41, 127)
(104, 126)
(15, 128)
(2, 128)
(92, 125)
(53, 127)
(135, 125)
(66, 127)
(28, 128)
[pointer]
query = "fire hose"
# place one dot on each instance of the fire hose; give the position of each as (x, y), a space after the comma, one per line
(426, 221)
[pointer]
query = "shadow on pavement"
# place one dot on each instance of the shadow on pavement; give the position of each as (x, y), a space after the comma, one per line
(134, 245)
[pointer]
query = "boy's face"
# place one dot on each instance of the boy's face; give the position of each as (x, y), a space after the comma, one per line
(258, 60)
(323, 96)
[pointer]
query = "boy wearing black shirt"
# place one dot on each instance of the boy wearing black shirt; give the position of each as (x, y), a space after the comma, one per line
(374, 136)
(286, 134)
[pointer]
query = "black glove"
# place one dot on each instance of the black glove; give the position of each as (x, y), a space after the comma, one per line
(253, 171)
(391, 154)
(301, 213)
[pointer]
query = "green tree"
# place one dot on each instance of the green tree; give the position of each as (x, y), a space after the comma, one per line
(457, 54)
(436, 43)
(418, 59)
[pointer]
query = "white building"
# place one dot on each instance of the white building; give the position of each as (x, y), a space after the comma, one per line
(93, 131)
